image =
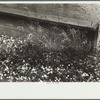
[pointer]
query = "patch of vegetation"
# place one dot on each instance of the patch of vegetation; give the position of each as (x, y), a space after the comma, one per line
(48, 56)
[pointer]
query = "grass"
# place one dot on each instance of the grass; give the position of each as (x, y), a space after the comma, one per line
(49, 55)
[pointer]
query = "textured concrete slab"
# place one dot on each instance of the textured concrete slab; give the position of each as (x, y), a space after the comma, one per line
(85, 15)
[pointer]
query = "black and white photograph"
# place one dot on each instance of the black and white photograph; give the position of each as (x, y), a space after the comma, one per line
(49, 42)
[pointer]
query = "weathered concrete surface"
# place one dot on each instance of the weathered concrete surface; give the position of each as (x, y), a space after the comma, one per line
(86, 15)
(82, 15)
